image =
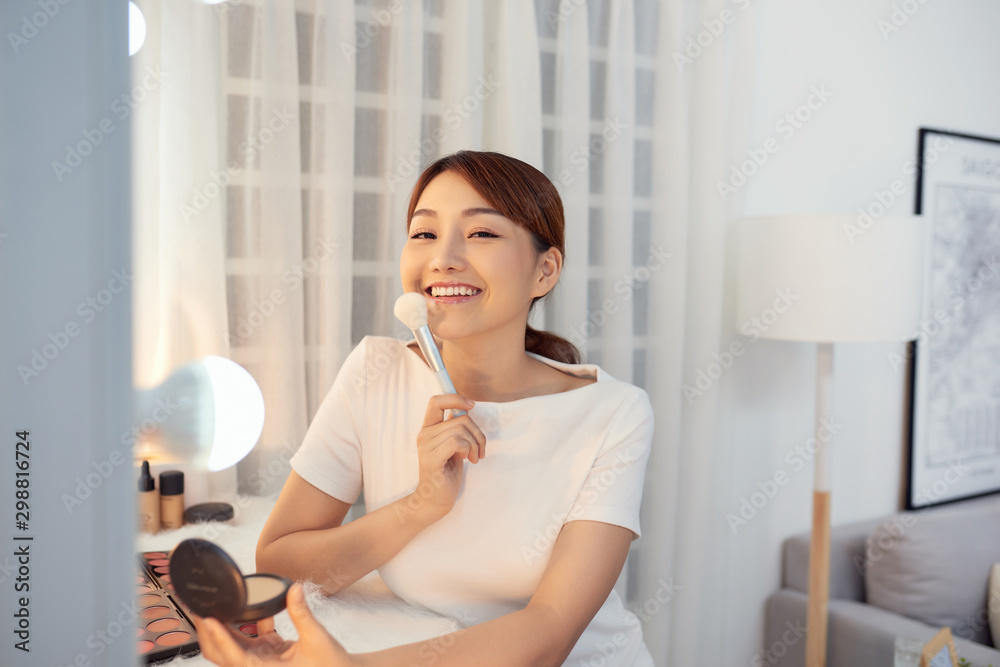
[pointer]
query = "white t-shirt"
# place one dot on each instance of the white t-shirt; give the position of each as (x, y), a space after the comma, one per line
(579, 454)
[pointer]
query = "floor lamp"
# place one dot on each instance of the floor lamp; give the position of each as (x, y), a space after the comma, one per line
(823, 279)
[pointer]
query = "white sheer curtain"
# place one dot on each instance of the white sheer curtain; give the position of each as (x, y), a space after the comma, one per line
(179, 235)
(702, 125)
(324, 112)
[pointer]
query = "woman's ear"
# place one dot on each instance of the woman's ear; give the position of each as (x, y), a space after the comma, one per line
(549, 268)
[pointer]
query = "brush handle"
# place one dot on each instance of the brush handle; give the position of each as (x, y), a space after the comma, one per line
(447, 387)
(433, 356)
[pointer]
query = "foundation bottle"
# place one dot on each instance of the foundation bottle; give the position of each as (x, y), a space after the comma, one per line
(149, 502)
(171, 499)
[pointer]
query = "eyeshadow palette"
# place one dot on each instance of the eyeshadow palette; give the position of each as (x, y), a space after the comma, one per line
(163, 628)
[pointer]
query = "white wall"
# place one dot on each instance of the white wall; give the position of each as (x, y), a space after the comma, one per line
(940, 69)
(65, 335)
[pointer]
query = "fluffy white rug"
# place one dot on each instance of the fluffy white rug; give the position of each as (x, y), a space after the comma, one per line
(366, 616)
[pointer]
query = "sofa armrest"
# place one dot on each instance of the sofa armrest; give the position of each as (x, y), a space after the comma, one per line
(859, 635)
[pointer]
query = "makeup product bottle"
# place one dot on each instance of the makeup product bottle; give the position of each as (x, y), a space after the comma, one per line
(171, 499)
(149, 502)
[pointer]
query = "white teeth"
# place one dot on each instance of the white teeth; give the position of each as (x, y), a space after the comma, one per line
(460, 290)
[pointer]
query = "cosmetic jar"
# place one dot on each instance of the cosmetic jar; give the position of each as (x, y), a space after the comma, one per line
(208, 512)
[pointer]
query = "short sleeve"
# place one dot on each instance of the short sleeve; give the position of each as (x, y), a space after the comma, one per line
(612, 492)
(330, 455)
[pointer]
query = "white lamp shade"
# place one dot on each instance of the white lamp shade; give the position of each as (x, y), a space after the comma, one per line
(824, 278)
(210, 412)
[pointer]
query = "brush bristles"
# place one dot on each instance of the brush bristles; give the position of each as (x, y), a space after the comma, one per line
(411, 310)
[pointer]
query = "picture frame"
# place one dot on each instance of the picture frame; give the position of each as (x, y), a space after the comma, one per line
(940, 651)
(954, 444)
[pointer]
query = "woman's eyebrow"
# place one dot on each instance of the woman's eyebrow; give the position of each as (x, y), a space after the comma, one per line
(467, 213)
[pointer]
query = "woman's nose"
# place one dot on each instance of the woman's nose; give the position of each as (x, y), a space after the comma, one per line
(449, 253)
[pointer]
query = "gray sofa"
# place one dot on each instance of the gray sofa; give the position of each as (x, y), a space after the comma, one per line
(906, 575)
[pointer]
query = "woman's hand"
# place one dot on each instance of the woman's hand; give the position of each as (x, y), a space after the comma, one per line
(224, 646)
(442, 447)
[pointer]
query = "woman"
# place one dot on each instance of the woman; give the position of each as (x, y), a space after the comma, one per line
(524, 545)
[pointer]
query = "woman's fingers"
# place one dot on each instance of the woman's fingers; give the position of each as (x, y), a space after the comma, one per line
(455, 439)
(438, 404)
(265, 625)
(317, 645)
(301, 615)
(467, 434)
(218, 645)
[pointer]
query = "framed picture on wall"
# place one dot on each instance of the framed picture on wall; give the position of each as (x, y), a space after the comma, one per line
(954, 448)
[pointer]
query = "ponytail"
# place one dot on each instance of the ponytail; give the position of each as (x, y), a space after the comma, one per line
(551, 346)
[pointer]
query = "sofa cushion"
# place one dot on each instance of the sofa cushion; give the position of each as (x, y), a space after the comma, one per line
(995, 604)
(935, 567)
(847, 556)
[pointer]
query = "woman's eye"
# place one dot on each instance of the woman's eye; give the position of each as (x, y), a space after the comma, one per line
(486, 235)
(423, 235)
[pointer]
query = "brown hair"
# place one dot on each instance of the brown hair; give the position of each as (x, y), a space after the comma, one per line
(523, 195)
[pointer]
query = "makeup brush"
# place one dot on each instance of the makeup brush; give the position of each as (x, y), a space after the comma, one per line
(411, 310)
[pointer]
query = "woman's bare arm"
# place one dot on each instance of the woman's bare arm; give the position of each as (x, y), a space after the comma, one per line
(304, 537)
(586, 560)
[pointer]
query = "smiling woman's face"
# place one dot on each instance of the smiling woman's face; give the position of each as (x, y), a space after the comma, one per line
(478, 270)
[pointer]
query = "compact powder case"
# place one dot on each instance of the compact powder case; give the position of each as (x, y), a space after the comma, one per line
(208, 581)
